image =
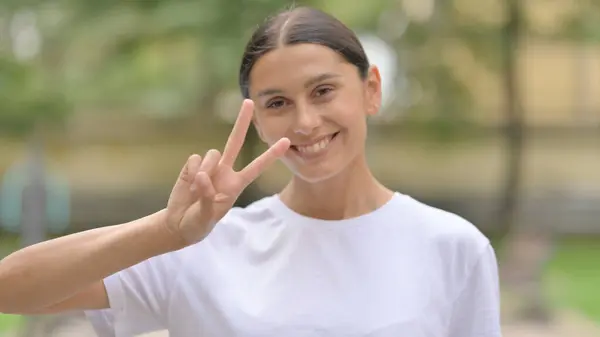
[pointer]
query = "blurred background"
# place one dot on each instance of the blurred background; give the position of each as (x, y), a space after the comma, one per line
(492, 111)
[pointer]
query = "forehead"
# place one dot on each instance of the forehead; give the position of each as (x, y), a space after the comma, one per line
(293, 65)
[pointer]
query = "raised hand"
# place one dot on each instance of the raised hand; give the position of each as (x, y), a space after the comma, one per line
(208, 187)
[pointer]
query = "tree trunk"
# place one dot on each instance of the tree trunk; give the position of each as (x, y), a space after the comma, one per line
(527, 249)
(514, 127)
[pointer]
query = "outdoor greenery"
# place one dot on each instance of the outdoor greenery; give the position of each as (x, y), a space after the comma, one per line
(172, 59)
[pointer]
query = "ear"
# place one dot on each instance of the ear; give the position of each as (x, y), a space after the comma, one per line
(373, 91)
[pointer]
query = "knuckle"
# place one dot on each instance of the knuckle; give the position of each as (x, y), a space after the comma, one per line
(202, 177)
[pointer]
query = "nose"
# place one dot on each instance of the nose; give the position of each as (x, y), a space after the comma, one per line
(307, 119)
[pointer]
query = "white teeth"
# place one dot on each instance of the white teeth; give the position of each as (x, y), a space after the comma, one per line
(314, 148)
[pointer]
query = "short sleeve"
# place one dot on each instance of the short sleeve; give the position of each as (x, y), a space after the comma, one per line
(138, 298)
(476, 311)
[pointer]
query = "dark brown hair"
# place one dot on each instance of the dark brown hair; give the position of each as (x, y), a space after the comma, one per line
(301, 25)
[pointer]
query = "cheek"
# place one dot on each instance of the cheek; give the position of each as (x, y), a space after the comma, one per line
(352, 115)
(355, 122)
(352, 104)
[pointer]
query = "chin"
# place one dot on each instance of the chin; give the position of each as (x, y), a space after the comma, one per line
(313, 175)
(314, 179)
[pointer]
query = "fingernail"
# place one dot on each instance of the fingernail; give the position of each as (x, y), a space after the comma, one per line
(193, 188)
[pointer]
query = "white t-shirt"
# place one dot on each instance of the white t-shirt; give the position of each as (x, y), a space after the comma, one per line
(404, 270)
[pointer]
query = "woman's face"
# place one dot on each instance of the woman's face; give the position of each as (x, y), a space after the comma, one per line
(313, 96)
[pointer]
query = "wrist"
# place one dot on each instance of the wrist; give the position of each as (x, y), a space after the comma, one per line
(170, 239)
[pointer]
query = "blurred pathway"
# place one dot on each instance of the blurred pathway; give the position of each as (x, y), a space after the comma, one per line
(567, 324)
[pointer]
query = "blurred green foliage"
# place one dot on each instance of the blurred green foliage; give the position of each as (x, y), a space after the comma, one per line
(25, 99)
(172, 58)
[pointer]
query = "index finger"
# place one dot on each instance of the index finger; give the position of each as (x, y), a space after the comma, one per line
(258, 165)
(238, 134)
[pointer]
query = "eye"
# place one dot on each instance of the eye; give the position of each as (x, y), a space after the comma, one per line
(323, 91)
(275, 103)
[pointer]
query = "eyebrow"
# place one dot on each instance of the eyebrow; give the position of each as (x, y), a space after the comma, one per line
(309, 83)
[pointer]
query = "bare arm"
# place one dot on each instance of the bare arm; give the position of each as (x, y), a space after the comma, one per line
(66, 273)
(93, 297)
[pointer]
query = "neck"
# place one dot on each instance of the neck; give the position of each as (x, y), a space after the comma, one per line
(350, 193)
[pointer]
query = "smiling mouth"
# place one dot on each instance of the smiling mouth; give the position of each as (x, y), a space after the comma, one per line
(315, 147)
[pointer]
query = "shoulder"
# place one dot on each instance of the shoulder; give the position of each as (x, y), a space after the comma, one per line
(443, 227)
(455, 242)
(456, 248)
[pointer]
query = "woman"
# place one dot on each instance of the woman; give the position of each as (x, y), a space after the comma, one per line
(334, 254)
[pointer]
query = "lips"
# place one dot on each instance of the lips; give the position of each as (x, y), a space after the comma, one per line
(316, 146)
